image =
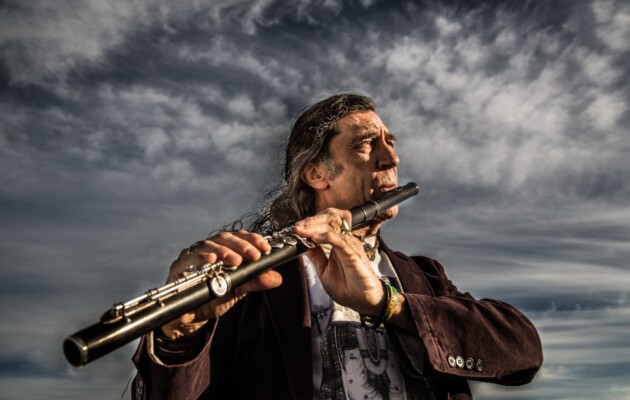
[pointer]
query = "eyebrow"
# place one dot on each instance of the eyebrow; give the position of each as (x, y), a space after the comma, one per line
(371, 135)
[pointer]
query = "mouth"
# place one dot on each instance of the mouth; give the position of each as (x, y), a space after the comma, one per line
(382, 189)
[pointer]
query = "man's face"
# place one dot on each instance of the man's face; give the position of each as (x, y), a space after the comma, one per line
(363, 163)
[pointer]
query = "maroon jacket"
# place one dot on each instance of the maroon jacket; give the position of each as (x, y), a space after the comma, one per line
(261, 349)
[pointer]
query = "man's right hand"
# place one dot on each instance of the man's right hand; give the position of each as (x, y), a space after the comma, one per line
(232, 248)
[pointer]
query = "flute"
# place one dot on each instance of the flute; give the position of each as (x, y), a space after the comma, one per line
(127, 321)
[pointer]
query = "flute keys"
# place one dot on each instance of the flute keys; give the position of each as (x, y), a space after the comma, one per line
(220, 284)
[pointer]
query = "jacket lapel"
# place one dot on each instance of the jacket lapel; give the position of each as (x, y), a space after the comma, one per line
(291, 319)
(411, 278)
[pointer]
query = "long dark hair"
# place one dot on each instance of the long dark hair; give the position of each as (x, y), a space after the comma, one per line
(308, 143)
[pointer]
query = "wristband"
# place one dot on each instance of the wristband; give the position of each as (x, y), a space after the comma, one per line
(391, 302)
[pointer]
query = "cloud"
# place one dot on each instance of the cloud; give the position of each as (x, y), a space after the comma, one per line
(131, 130)
(41, 40)
(42, 43)
(586, 356)
(504, 106)
(613, 27)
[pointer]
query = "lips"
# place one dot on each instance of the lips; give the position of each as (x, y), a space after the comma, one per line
(388, 187)
(382, 189)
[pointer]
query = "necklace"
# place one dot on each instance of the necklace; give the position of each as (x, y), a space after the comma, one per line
(370, 249)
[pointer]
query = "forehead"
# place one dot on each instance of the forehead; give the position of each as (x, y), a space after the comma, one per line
(357, 123)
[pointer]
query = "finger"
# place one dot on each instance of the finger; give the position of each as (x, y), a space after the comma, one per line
(256, 239)
(218, 307)
(325, 220)
(335, 237)
(187, 251)
(268, 280)
(228, 249)
(202, 246)
(180, 266)
(248, 245)
(328, 221)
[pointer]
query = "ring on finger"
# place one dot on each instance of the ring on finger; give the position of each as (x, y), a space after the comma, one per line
(345, 228)
(191, 249)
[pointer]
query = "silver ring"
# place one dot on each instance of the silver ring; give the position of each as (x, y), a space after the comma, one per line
(345, 229)
(191, 249)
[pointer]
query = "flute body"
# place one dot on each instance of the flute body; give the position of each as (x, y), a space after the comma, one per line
(127, 321)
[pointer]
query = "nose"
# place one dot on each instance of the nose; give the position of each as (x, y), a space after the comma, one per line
(386, 157)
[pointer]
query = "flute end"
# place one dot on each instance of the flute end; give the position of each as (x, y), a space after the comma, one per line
(76, 351)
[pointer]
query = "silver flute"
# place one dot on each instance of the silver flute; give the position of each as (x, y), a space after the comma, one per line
(127, 321)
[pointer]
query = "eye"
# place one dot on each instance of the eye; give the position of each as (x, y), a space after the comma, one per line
(363, 145)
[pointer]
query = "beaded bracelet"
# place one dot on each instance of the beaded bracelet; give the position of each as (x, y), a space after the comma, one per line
(391, 302)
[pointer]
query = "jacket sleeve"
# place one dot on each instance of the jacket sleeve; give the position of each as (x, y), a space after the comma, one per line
(157, 380)
(485, 339)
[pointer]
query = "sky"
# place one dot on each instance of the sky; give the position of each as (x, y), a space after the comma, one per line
(131, 129)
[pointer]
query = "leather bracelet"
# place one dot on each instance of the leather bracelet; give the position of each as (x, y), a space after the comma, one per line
(391, 302)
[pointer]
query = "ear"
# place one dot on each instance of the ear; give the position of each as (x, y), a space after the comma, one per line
(314, 175)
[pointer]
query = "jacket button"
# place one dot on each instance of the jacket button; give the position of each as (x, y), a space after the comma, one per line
(451, 361)
(479, 365)
(470, 363)
(139, 388)
(459, 361)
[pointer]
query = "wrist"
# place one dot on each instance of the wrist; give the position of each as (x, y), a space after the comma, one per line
(177, 330)
(178, 351)
(379, 303)
(385, 310)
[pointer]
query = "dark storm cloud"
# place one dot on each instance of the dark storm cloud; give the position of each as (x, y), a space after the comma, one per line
(120, 120)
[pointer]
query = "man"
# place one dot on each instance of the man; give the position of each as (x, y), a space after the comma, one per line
(351, 318)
